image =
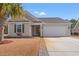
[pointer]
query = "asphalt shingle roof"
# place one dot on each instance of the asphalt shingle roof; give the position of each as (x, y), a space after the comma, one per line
(53, 20)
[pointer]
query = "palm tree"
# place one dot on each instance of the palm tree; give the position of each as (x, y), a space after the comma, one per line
(9, 10)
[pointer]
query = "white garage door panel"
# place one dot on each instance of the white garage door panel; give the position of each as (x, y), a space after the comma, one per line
(55, 30)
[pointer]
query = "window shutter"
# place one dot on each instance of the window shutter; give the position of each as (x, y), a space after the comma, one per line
(14, 28)
(23, 28)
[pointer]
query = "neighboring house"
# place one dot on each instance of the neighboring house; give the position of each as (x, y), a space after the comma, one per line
(31, 26)
(76, 28)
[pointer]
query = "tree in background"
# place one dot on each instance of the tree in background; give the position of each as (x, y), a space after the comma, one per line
(73, 23)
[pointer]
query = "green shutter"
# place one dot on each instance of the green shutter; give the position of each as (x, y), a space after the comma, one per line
(23, 28)
(14, 28)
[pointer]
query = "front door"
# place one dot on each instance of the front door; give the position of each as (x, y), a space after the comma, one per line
(35, 30)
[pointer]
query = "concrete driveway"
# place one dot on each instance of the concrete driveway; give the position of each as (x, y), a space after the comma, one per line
(62, 46)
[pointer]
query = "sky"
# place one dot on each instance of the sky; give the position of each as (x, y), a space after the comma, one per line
(62, 10)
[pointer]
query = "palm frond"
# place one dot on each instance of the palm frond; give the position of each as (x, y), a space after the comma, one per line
(13, 10)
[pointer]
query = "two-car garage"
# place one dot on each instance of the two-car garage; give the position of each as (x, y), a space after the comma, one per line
(55, 30)
(55, 27)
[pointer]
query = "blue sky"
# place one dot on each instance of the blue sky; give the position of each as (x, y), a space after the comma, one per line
(63, 10)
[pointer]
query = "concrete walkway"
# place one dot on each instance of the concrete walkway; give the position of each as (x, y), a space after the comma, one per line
(62, 46)
(43, 49)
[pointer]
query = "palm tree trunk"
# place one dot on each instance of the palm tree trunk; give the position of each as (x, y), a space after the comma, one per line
(2, 22)
(1, 32)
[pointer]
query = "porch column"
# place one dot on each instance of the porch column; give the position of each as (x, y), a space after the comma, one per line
(41, 30)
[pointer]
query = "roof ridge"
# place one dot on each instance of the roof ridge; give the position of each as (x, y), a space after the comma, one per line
(48, 17)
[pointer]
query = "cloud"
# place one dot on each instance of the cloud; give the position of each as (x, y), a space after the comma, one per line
(40, 13)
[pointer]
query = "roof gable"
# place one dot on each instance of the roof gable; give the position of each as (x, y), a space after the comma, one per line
(26, 17)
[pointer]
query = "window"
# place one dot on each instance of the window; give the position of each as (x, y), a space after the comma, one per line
(19, 28)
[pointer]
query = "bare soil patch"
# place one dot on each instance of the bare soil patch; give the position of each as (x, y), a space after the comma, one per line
(20, 47)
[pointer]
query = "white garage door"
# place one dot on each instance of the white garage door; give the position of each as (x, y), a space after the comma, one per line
(55, 30)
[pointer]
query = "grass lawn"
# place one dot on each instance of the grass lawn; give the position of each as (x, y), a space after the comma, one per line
(20, 47)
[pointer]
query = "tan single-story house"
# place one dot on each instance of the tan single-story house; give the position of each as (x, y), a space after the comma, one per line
(31, 26)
